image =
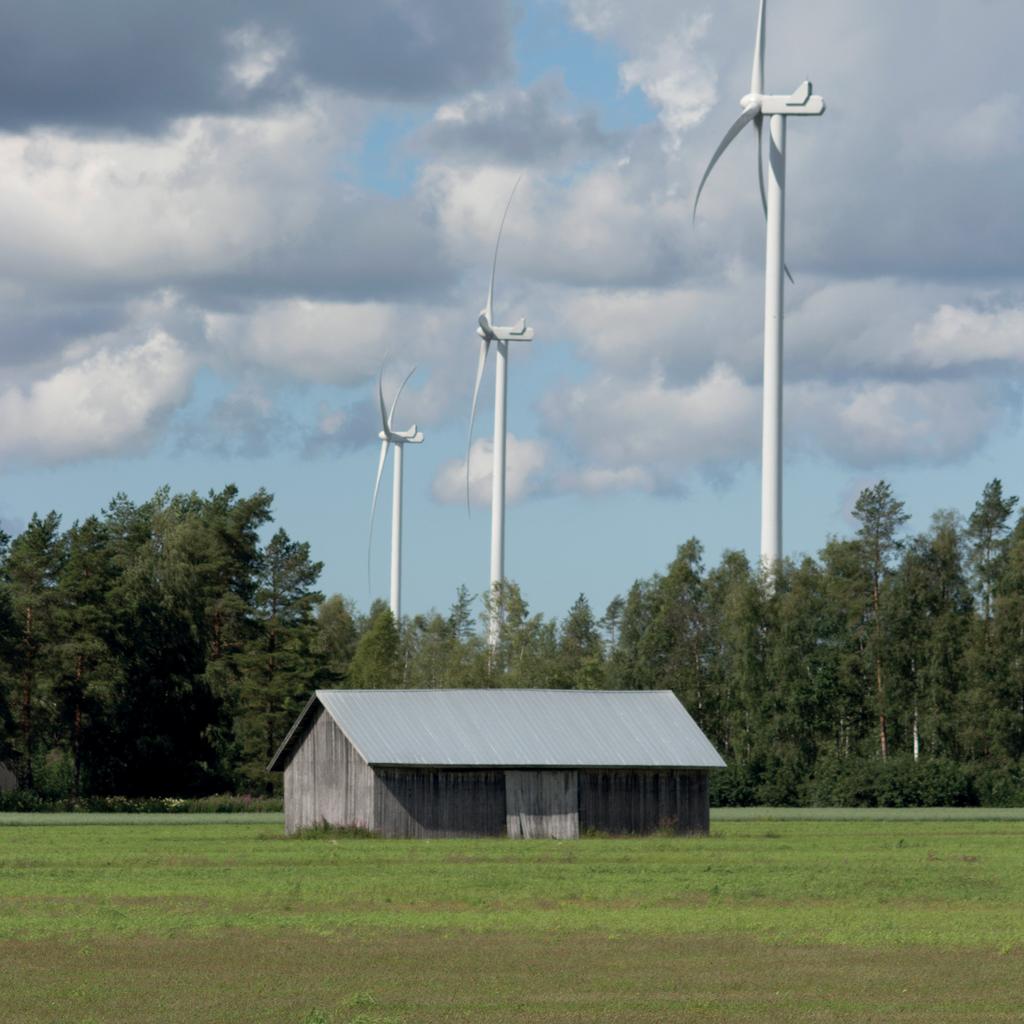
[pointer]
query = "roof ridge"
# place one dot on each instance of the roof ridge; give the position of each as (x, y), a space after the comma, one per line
(480, 689)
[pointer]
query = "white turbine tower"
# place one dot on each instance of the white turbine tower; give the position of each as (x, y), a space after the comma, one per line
(398, 438)
(488, 332)
(756, 107)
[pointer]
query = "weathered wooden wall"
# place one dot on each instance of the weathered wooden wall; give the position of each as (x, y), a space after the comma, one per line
(438, 803)
(542, 804)
(326, 780)
(638, 801)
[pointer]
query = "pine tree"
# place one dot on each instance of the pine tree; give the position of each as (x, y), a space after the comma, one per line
(162, 707)
(580, 661)
(281, 664)
(611, 623)
(377, 663)
(88, 667)
(34, 564)
(931, 616)
(673, 650)
(626, 668)
(525, 652)
(8, 646)
(1006, 686)
(336, 636)
(880, 516)
(737, 671)
(987, 528)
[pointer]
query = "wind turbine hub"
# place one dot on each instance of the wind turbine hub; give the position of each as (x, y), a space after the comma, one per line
(751, 99)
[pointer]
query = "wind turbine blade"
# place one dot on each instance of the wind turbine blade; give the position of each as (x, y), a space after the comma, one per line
(494, 262)
(380, 398)
(738, 125)
(485, 347)
(373, 506)
(757, 73)
(397, 396)
(759, 124)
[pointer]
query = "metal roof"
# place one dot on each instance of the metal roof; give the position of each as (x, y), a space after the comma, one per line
(515, 728)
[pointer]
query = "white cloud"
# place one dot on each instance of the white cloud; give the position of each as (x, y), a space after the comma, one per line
(525, 463)
(185, 204)
(676, 78)
(955, 336)
(885, 423)
(340, 342)
(607, 227)
(109, 402)
(594, 480)
(257, 54)
(656, 431)
(516, 126)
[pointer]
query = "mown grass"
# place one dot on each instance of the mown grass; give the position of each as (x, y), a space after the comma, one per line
(766, 919)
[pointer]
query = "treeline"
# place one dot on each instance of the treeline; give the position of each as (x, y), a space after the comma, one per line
(165, 649)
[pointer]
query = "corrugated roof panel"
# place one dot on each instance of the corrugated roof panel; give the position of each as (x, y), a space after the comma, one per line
(508, 728)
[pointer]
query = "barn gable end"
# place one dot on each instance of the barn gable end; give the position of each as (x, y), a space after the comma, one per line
(326, 779)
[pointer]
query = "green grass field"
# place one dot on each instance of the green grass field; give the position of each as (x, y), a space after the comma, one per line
(884, 917)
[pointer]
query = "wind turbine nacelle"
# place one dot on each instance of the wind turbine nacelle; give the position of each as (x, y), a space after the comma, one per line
(410, 436)
(800, 102)
(520, 332)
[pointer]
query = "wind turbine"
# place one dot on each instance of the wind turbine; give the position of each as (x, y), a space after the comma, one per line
(756, 107)
(488, 331)
(399, 438)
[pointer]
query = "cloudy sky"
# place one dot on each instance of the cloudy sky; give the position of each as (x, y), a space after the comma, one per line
(219, 219)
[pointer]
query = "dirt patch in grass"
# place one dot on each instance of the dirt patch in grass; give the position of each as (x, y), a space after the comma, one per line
(240, 977)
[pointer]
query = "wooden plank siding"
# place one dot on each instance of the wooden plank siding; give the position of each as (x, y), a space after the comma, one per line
(439, 803)
(542, 804)
(639, 801)
(327, 781)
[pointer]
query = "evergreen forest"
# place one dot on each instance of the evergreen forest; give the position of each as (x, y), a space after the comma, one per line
(164, 649)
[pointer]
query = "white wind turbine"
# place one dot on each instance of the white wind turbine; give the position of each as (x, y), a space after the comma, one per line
(488, 332)
(756, 107)
(398, 438)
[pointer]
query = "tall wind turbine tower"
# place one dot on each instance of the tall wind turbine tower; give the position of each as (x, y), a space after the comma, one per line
(757, 105)
(399, 439)
(488, 331)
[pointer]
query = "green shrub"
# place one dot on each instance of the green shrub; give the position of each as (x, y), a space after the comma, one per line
(732, 786)
(998, 786)
(226, 803)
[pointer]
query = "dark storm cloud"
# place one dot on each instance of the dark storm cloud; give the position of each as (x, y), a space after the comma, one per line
(135, 64)
(520, 127)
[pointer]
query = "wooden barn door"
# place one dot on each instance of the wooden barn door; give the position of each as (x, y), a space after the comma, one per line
(542, 805)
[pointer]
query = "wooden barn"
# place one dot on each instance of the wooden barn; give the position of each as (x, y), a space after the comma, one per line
(522, 763)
